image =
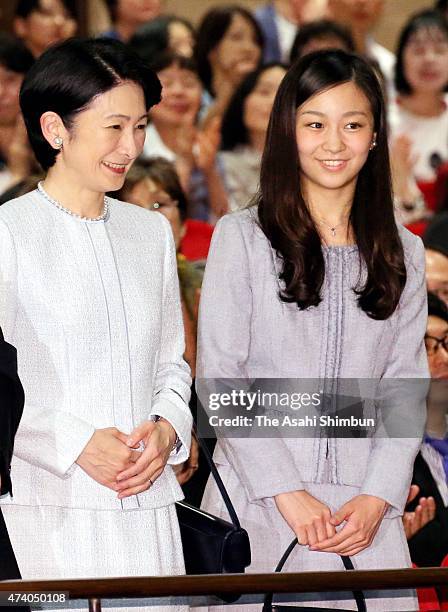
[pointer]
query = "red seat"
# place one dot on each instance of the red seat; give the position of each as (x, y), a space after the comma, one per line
(196, 242)
(443, 591)
(427, 599)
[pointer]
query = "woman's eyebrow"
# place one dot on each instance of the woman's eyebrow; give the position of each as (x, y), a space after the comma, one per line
(347, 114)
(121, 116)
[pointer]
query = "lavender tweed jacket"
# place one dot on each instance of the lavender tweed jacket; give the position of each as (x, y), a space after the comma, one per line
(245, 331)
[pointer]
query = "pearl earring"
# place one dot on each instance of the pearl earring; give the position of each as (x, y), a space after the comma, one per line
(373, 145)
(58, 142)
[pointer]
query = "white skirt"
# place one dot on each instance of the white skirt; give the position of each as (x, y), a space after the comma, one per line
(52, 543)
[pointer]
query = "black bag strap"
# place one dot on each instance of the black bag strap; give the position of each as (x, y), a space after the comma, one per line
(348, 564)
(214, 470)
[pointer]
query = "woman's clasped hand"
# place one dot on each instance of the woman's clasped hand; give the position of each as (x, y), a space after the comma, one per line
(316, 526)
(112, 459)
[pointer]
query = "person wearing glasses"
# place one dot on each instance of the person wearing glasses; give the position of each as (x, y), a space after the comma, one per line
(429, 545)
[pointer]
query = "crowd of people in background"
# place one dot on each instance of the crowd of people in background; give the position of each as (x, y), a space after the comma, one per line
(205, 140)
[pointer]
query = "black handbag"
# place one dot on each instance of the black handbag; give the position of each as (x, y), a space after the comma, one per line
(268, 607)
(212, 545)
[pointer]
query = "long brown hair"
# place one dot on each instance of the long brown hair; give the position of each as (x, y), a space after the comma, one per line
(284, 215)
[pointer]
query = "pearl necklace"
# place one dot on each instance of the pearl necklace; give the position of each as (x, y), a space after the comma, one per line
(102, 217)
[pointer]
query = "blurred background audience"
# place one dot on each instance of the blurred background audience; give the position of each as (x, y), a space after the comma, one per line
(128, 15)
(173, 133)
(361, 17)
(16, 158)
(418, 116)
(429, 544)
(229, 45)
(162, 34)
(279, 21)
(318, 35)
(436, 251)
(243, 132)
(41, 23)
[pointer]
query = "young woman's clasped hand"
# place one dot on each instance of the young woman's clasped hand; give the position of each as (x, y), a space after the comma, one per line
(315, 525)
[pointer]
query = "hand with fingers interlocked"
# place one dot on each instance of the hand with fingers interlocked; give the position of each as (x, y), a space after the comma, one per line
(362, 516)
(315, 525)
(158, 439)
(106, 455)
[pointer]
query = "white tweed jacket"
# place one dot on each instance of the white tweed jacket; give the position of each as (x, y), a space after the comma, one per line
(93, 309)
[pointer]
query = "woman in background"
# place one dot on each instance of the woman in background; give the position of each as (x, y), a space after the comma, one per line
(418, 117)
(162, 34)
(173, 133)
(243, 132)
(319, 35)
(127, 16)
(41, 23)
(229, 45)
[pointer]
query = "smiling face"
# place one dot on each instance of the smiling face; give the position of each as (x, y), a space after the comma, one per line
(50, 23)
(425, 60)
(258, 104)
(105, 139)
(334, 132)
(181, 97)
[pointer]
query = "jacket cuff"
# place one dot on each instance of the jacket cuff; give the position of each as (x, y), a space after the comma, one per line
(177, 413)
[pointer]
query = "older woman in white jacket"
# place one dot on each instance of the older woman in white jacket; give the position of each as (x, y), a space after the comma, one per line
(89, 296)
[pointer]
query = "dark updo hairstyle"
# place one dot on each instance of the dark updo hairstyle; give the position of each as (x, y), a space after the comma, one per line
(284, 215)
(153, 37)
(319, 30)
(212, 30)
(233, 129)
(68, 76)
(25, 7)
(424, 20)
(14, 55)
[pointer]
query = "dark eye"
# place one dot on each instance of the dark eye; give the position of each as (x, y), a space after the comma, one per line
(142, 126)
(316, 125)
(353, 125)
(115, 127)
